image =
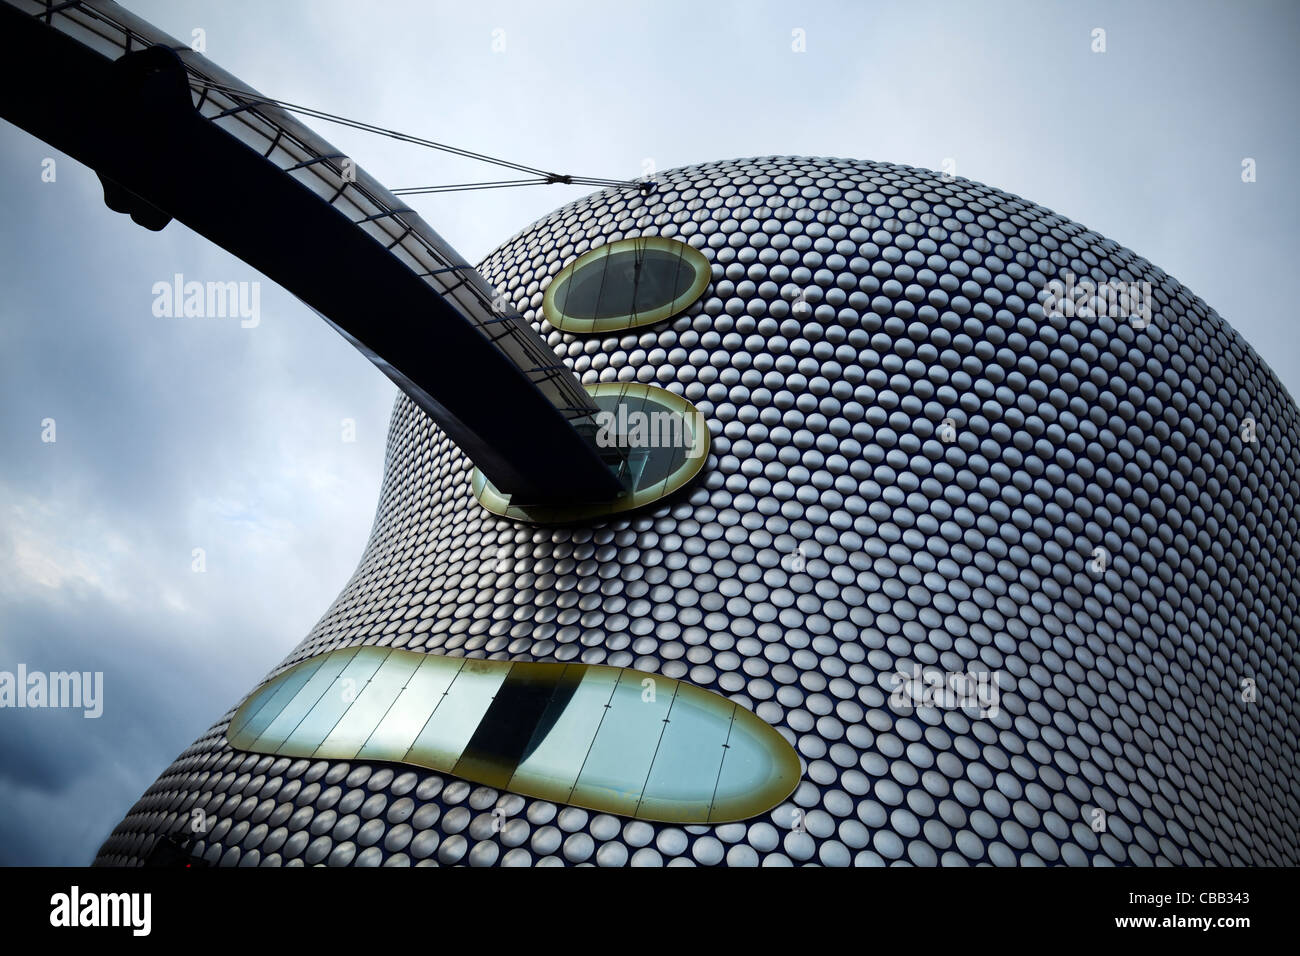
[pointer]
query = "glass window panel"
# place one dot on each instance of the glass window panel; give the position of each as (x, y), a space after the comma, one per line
(284, 723)
(410, 712)
(551, 769)
(615, 771)
(259, 699)
(453, 723)
(689, 758)
(626, 283)
(320, 720)
(286, 687)
(759, 770)
(519, 710)
(355, 727)
(571, 733)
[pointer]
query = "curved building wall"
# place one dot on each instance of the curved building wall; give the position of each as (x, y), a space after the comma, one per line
(922, 465)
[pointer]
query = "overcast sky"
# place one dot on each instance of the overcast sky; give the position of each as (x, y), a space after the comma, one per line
(176, 434)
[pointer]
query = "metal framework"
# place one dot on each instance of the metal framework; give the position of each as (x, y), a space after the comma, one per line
(249, 176)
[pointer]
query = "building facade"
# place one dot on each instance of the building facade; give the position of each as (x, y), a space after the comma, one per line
(998, 529)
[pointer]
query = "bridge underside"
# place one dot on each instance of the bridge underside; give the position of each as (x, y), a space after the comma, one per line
(486, 378)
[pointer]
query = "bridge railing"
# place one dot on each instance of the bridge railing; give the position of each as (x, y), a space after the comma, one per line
(279, 136)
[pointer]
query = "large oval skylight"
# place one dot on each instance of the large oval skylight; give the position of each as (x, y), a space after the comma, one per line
(625, 284)
(609, 739)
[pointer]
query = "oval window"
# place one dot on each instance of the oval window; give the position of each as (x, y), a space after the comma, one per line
(610, 739)
(626, 284)
(664, 440)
